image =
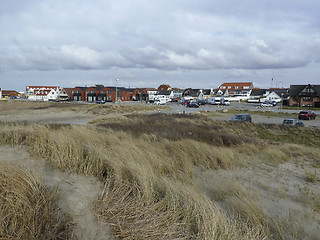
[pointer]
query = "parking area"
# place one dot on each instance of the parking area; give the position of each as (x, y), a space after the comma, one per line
(258, 114)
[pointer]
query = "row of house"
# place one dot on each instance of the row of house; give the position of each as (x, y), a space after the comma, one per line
(307, 95)
(296, 95)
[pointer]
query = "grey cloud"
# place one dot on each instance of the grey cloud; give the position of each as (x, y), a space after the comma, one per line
(179, 36)
(257, 55)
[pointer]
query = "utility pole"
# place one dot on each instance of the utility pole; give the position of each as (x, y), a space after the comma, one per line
(117, 95)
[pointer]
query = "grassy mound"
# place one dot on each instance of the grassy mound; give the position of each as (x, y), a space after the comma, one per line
(28, 209)
(148, 162)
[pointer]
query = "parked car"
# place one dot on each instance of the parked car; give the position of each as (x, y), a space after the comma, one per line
(185, 102)
(267, 104)
(224, 101)
(100, 101)
(201, 101)
(193, 105)
(293, 122)
(307, 115)
(241, 118)
(160, 101)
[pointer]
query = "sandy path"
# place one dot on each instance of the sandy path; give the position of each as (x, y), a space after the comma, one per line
(77, 193)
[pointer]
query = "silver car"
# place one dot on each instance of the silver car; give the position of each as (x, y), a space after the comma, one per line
(293, 122)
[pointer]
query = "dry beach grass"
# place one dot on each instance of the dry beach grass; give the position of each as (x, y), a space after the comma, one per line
(186, 177)
(28, 208)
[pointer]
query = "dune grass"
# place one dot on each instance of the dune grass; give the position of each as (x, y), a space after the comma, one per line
(96, 109)
(123, 108)
(147, 164)
(28, 209)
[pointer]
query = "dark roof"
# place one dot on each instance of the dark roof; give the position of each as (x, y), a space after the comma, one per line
(206, 91)
(194, 93)
(114, 88)
(258, 92)
(129, 89)
(223, 91)
(163, 92)
(99, 87)
(282, 92)
(191, 92)
(295, 90)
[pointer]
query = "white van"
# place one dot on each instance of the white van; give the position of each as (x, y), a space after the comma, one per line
(160, 101)
(212, 101)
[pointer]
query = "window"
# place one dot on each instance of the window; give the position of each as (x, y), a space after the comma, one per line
(307, 91)
(103, 91)
(109, 92)
(109, 98)
(229, 87)
(88, 91)
(236, 87)
(245, 87)
(307, 99)
(93, 91)
(223, 87)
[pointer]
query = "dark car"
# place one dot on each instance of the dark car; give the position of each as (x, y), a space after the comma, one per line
(307, 115)
(193, 105)
(293, 122)
(201, 101)
(241, 118)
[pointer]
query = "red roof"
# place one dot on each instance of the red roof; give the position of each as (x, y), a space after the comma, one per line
(40, 87)
(9, 92)
(164, 87)
(240, 85)
(68, 91)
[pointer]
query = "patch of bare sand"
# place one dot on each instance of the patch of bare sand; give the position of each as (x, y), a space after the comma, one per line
(282, 192)
(76, 193)
(48, 116)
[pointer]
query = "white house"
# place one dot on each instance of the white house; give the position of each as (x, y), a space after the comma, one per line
(162, 94)
(151, 95)
(275, 95)
(272, 96)
(240, 95)
(38, 93)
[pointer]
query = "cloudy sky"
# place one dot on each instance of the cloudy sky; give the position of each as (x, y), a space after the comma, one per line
(144, 43)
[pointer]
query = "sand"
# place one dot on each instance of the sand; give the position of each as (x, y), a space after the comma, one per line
(76, 193)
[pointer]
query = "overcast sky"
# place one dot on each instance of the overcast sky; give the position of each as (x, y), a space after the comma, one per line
(144, 43)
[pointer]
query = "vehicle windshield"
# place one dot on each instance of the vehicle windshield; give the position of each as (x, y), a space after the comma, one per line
(303, 112)
(238, 117)
(286, 121)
